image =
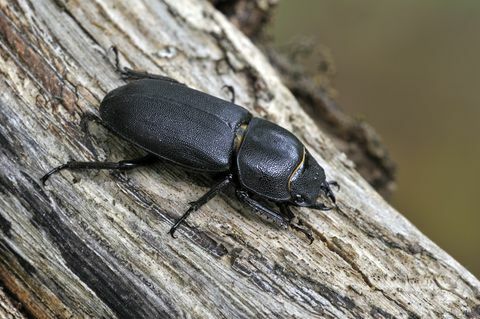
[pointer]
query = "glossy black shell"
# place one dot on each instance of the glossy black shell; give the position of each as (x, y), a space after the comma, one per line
(267, 158)
(197, 130)
(175, 122)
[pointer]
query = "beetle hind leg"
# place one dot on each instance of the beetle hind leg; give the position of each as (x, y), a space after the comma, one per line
(122, 165)
(129, 74)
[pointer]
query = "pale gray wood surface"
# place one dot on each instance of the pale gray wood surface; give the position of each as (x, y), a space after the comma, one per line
(95, 244)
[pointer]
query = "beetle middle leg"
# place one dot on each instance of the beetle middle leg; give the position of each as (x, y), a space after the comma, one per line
(122, 165)
(217, 188)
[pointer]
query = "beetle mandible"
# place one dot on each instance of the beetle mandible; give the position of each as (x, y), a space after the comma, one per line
(263, 161)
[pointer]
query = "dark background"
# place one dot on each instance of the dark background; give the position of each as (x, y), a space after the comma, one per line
(412, 70)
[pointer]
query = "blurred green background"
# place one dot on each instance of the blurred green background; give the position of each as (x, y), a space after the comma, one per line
(411, 69)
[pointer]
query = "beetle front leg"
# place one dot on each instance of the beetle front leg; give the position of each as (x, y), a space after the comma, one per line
(262, 210)
(201, 201)
(307, 231)
(122, 165)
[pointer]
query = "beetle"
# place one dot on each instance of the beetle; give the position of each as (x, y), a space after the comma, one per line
(264, 162)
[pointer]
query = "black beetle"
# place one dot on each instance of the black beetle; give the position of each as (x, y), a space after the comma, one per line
(169, 120)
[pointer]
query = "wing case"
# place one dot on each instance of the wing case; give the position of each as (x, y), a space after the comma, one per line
(175, 122)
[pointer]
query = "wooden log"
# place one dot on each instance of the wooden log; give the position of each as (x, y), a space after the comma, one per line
(95, 244)
(8, 308)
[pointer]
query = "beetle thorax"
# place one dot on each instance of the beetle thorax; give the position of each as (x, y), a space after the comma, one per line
(267, 158)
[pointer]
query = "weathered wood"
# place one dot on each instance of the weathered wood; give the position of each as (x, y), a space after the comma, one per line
(250, 16)
(96, 245)
(7, 308)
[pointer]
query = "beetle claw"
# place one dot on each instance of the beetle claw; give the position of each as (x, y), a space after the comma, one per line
(172, 231)
(328, 191)
(334, 183)
(45, 177)
(307, 231)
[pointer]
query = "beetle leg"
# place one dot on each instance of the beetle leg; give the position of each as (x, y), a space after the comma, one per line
(201, 201)
(129, 74)
(232, 92)
(85, 120)
(298, 226)
(122, 165)
(334, 183)
(262, 210)
(328, 191)
(320, 206)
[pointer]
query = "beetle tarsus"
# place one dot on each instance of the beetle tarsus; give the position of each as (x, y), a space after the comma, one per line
(334, 183)
(298, 226)
(129, 74)
(45, 177)
(328, 191)
(181, 220)
(307, 231)
(114, 49)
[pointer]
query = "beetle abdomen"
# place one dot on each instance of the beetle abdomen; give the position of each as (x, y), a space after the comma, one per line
(267, 159)
(175, 122)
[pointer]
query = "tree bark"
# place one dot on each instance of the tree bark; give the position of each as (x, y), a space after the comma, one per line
(95, 244)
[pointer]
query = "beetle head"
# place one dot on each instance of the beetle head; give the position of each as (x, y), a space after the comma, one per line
(307, 182)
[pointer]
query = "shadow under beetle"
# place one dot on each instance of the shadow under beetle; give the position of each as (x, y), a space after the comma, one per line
(167, 119)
